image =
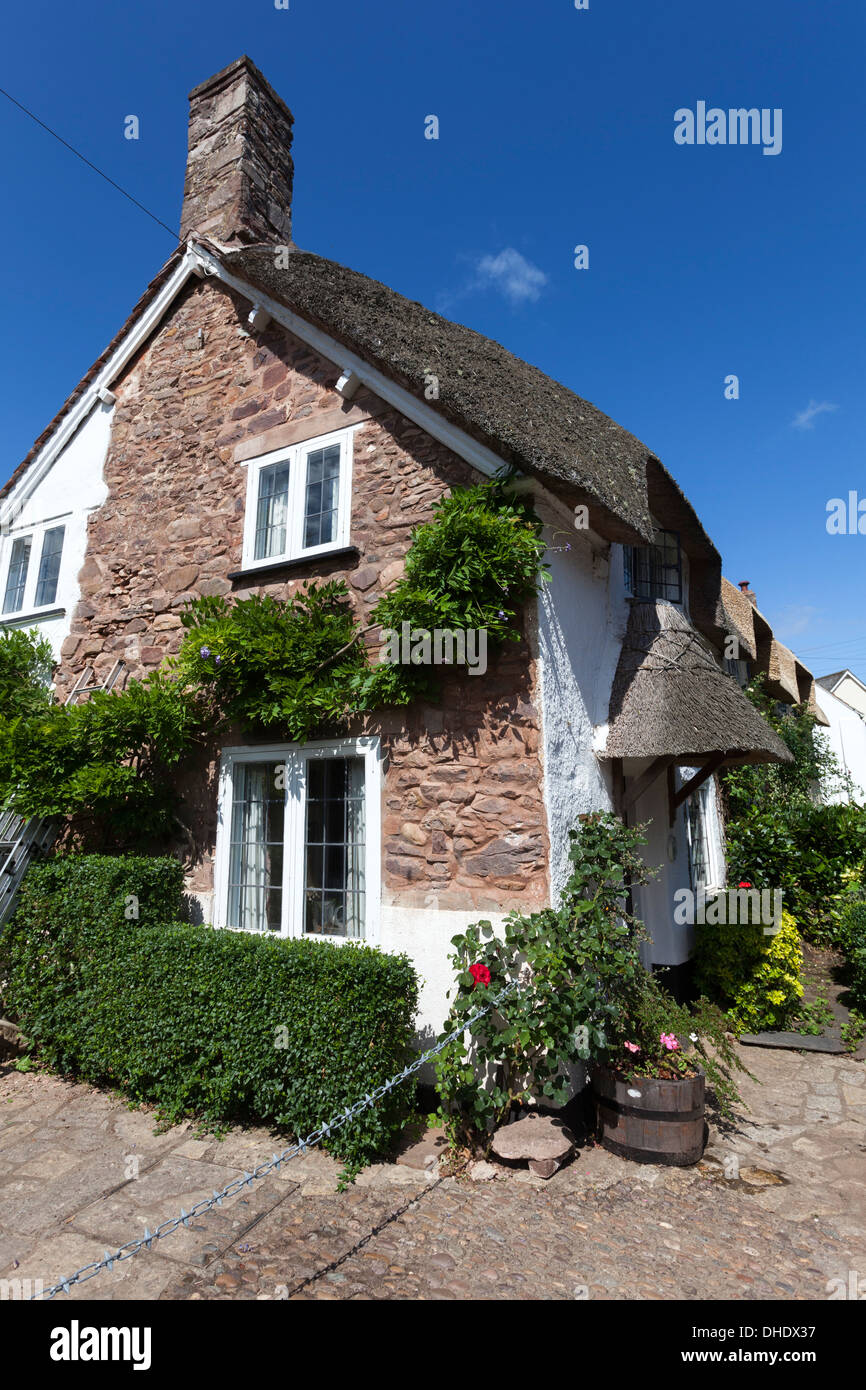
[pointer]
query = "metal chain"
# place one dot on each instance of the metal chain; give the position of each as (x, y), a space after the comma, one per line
(132, 1247)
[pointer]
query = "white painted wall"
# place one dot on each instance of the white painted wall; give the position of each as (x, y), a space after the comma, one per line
(668, 846)
(582, 617)
(851, 692)
(72, 488)
(846, 737)
(425, 936)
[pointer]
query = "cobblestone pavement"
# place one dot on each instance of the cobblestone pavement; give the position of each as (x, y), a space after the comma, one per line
(776, 1210)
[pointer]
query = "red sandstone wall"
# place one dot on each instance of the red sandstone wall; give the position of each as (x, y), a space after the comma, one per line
(463, 814)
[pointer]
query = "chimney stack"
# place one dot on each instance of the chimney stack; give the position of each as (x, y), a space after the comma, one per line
(239, 169)
(744, 586)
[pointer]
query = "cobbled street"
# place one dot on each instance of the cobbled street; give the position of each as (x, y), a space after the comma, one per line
(776, 1210)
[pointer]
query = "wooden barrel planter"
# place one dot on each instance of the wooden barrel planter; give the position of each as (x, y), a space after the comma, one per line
(649, 1120)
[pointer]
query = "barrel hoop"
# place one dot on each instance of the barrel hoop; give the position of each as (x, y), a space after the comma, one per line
(641, 1113)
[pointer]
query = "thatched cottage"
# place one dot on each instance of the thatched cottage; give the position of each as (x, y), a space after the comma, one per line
(249, 368)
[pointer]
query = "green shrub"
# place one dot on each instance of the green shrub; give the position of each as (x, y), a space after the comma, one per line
(755, 977)
(218, 1024)
(851, 941)
(26, 663)
(110, 759)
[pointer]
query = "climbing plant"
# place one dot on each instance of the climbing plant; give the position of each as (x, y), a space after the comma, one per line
(291, 667)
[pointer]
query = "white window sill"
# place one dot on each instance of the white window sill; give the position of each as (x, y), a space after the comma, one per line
(36, 615)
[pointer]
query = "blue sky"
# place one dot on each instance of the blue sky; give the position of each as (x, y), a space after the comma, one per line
(556, 129)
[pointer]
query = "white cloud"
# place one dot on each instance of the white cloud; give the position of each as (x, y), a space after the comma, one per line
(803, 421)
(512, 275)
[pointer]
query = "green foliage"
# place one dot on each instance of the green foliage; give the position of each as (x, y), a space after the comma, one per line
(851, 941)
(583, 992)
(272, 663)
(26, 664)
(472, 566)
(574, 963)
(109, 759)
(223, 1025)
(779, 835)
(756, 978)
(287, 667)
(658, 1037)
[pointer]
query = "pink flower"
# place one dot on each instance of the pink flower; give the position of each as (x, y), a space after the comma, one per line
(669, 1041)
(632, 1047)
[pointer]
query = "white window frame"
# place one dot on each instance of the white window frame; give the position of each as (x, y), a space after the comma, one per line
(709, 803)
(36, 533)
(294, 455)
(296, 756)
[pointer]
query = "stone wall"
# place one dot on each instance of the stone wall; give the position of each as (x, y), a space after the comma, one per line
(463, 815)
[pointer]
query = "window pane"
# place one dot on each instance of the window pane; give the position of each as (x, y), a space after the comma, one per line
(256, 848)
(655, 571)
(49, 565)
(697, 821)
(334, 849)
(320, 505)
(17, 576)
(272, 512)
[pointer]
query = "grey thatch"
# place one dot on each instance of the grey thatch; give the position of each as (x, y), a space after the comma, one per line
(670, 698)
(526, 417)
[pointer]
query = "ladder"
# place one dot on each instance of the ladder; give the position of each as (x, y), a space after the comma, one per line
(22, 840)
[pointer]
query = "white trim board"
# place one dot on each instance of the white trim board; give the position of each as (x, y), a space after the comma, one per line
(199, 261)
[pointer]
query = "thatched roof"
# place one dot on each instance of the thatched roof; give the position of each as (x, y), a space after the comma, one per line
(526, 417)
(782, 674)
(740, 615)
(670, 698)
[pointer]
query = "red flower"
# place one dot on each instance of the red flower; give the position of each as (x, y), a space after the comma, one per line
(480, 974)
(744, 884)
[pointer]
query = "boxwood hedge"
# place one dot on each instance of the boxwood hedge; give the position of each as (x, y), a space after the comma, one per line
(219, 1024)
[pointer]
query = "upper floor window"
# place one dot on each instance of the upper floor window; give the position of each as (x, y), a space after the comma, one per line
(28, 587)
(299, 500)
(655, 571)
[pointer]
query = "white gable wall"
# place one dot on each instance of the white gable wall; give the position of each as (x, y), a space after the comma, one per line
(72, 488)
(846, 737)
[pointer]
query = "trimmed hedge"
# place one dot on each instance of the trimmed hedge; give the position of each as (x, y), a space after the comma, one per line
(218, 1024)
(756, 978)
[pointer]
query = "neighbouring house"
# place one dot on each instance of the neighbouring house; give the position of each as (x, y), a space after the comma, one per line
(842, 699)
(264, 417)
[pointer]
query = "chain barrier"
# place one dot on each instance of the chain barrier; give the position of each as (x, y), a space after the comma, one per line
(132, 1247)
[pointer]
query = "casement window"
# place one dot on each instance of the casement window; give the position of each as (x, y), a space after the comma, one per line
(30, 586)
(655, 571)
(701, 820)
(298, 840)
(299, 500)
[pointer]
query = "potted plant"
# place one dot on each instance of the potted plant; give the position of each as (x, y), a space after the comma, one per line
(576, 993)
(649, 1087)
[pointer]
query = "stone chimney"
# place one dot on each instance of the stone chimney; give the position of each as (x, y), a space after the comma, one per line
(747, 592)
(239, 169)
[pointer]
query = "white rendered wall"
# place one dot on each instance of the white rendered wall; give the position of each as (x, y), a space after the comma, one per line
(73, 488)
(582, 617)
(846, 737)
